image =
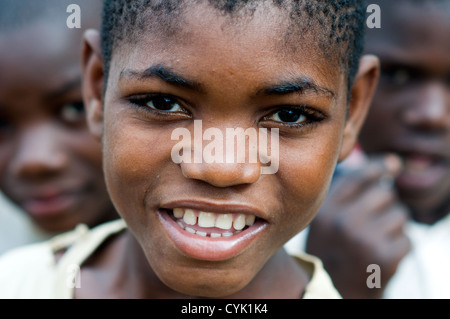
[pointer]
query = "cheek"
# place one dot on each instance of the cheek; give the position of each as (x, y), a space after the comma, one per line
(381, 115)
(86, 160)
(133, 160)
(88, 149)
(306, 172)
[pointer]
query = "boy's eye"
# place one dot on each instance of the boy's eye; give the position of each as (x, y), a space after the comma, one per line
(288, 116)
(294, 117)
(162, 103)
(159, 103)
(159, 106)
(401, 76)
(72, 112)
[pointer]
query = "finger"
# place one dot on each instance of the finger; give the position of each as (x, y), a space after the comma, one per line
(371, 203)
(391, 221)
(396, 250)
(352, 182)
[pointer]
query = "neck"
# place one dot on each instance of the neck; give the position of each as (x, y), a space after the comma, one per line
(426, 215)
(280, 277)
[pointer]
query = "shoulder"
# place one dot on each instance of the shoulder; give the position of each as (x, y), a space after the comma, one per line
(28, 266)
(320, 285)
(34, 272)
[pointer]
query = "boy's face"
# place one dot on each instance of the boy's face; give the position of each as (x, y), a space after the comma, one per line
(411, 110)
(50, 165)
(226, 76)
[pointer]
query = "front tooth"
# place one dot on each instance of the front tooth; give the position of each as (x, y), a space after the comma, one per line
(189, 217)
(206, 219)
(215, 235)
(190, 230)
(178, 212)
(250, 220)
(224, 221)
(239, 222)
(201, 233)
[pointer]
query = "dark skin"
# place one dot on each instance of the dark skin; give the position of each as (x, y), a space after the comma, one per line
(416, 79)
(231, 64)
(50, 165)
(412, 106)
(372, 218)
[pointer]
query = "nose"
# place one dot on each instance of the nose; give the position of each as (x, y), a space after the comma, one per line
(431, 109)
(222, 174)
(39, 153)
(222, 162)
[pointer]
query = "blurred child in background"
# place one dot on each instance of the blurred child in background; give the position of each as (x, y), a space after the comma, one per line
(361, 223)
(50, 166)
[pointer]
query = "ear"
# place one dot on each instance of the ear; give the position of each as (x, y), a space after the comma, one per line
(362, 92)
(92, 81)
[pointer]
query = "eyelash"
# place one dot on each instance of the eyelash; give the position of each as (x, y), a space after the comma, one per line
(73, 113)
(140, 102)
(312, 116)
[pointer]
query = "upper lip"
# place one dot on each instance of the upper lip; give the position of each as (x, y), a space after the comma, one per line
(421, 149)
(216, 207)
(47, 192)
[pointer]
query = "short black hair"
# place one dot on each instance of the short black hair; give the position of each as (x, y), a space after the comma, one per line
(341, 22)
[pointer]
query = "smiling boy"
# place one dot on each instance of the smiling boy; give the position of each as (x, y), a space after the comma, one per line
(210, 229)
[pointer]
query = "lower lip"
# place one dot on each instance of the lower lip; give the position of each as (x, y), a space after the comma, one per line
(422, 180)
(207, 248)
(49, 207)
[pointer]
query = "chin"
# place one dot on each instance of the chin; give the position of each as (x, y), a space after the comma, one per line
(210, 280)
(206, 288)
(54, 226)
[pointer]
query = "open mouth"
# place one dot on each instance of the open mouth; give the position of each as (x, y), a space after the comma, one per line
(208, 224)
(210, 235)
(420, 162)
(50, 205)
(422, 171)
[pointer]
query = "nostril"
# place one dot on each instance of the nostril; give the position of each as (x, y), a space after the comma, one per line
(33, 162)
(36, 169)
(429, 112)
(223, 174)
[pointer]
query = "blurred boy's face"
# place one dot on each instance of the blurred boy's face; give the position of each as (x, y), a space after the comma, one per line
(50, 165)
(226, 76)
(411, 110)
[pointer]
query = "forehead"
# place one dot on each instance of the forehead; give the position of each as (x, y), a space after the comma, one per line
(41, 39)
(37, 52)
(412, 32)
(255, 42)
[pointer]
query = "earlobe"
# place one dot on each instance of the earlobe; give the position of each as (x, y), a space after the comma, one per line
(362, 93)
(92, 81)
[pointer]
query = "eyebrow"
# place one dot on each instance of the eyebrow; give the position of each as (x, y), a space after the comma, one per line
(299, 85)
(164, 73)
(65, 88)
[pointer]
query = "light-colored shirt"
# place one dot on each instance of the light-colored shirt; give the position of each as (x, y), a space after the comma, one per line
(16, 228)
(425, 272)
(32, 271)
